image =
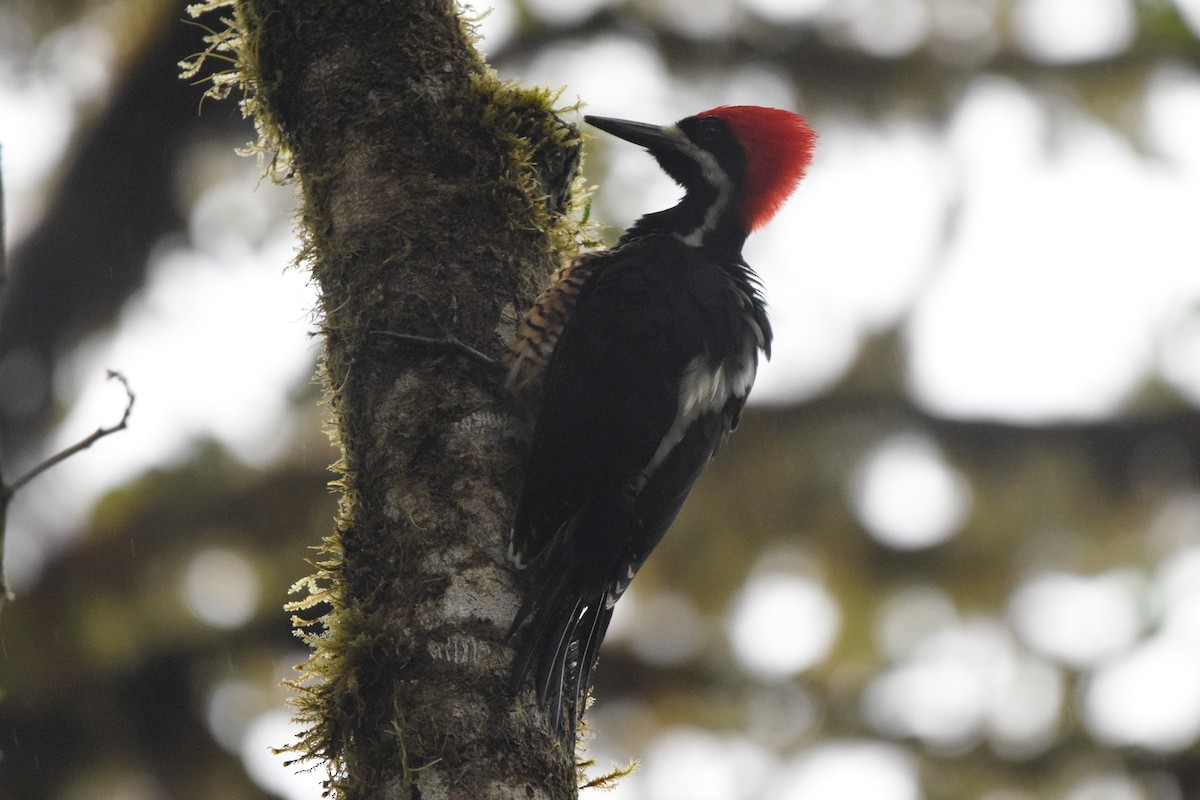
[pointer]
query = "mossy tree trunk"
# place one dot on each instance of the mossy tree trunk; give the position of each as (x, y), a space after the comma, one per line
(431, 192)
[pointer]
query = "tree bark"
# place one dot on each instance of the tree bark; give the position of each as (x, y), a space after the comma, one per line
(433, 195)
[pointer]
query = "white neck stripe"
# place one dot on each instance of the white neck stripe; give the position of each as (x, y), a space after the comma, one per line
(718, 180)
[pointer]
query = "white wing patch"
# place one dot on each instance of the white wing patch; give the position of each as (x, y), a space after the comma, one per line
(704, 388)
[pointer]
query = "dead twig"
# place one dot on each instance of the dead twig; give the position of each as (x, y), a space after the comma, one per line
(7, 490)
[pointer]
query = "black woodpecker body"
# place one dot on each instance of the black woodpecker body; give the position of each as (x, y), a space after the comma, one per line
(644, 355)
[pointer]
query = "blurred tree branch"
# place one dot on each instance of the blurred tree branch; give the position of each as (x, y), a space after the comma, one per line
(115, 198)
(8, 490)
(834, 71)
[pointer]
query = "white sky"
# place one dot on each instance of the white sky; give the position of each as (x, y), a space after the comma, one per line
(1071, 275)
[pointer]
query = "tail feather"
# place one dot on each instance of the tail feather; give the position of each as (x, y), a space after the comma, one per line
(554, 670)
(540, 607)
(600, 613)
(566, 613)
(551, 649)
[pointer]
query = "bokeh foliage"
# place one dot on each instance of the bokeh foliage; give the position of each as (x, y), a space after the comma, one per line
(113, 684)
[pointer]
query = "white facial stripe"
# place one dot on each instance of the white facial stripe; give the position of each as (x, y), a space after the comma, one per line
(716, 178)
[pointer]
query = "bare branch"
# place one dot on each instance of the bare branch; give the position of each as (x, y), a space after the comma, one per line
(81, 445)
(7, 490)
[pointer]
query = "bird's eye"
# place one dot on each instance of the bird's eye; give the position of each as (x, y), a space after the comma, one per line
(708, 132)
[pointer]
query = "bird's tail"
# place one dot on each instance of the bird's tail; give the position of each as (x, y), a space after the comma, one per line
(567, 612)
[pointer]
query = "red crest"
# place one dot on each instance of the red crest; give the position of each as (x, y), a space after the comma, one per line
(779, 147)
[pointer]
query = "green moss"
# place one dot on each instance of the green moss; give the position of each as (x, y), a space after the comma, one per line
(233, 46)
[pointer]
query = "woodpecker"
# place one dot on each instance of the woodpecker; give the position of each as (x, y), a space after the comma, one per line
(644, 355)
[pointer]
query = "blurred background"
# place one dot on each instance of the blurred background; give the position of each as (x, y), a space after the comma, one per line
(953, 551)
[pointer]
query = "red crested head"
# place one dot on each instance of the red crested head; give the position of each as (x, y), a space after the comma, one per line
(778, 146)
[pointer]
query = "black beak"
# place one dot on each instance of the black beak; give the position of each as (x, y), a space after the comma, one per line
(638, 133)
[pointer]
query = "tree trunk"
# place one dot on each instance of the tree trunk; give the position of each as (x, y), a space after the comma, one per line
(433, 195)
